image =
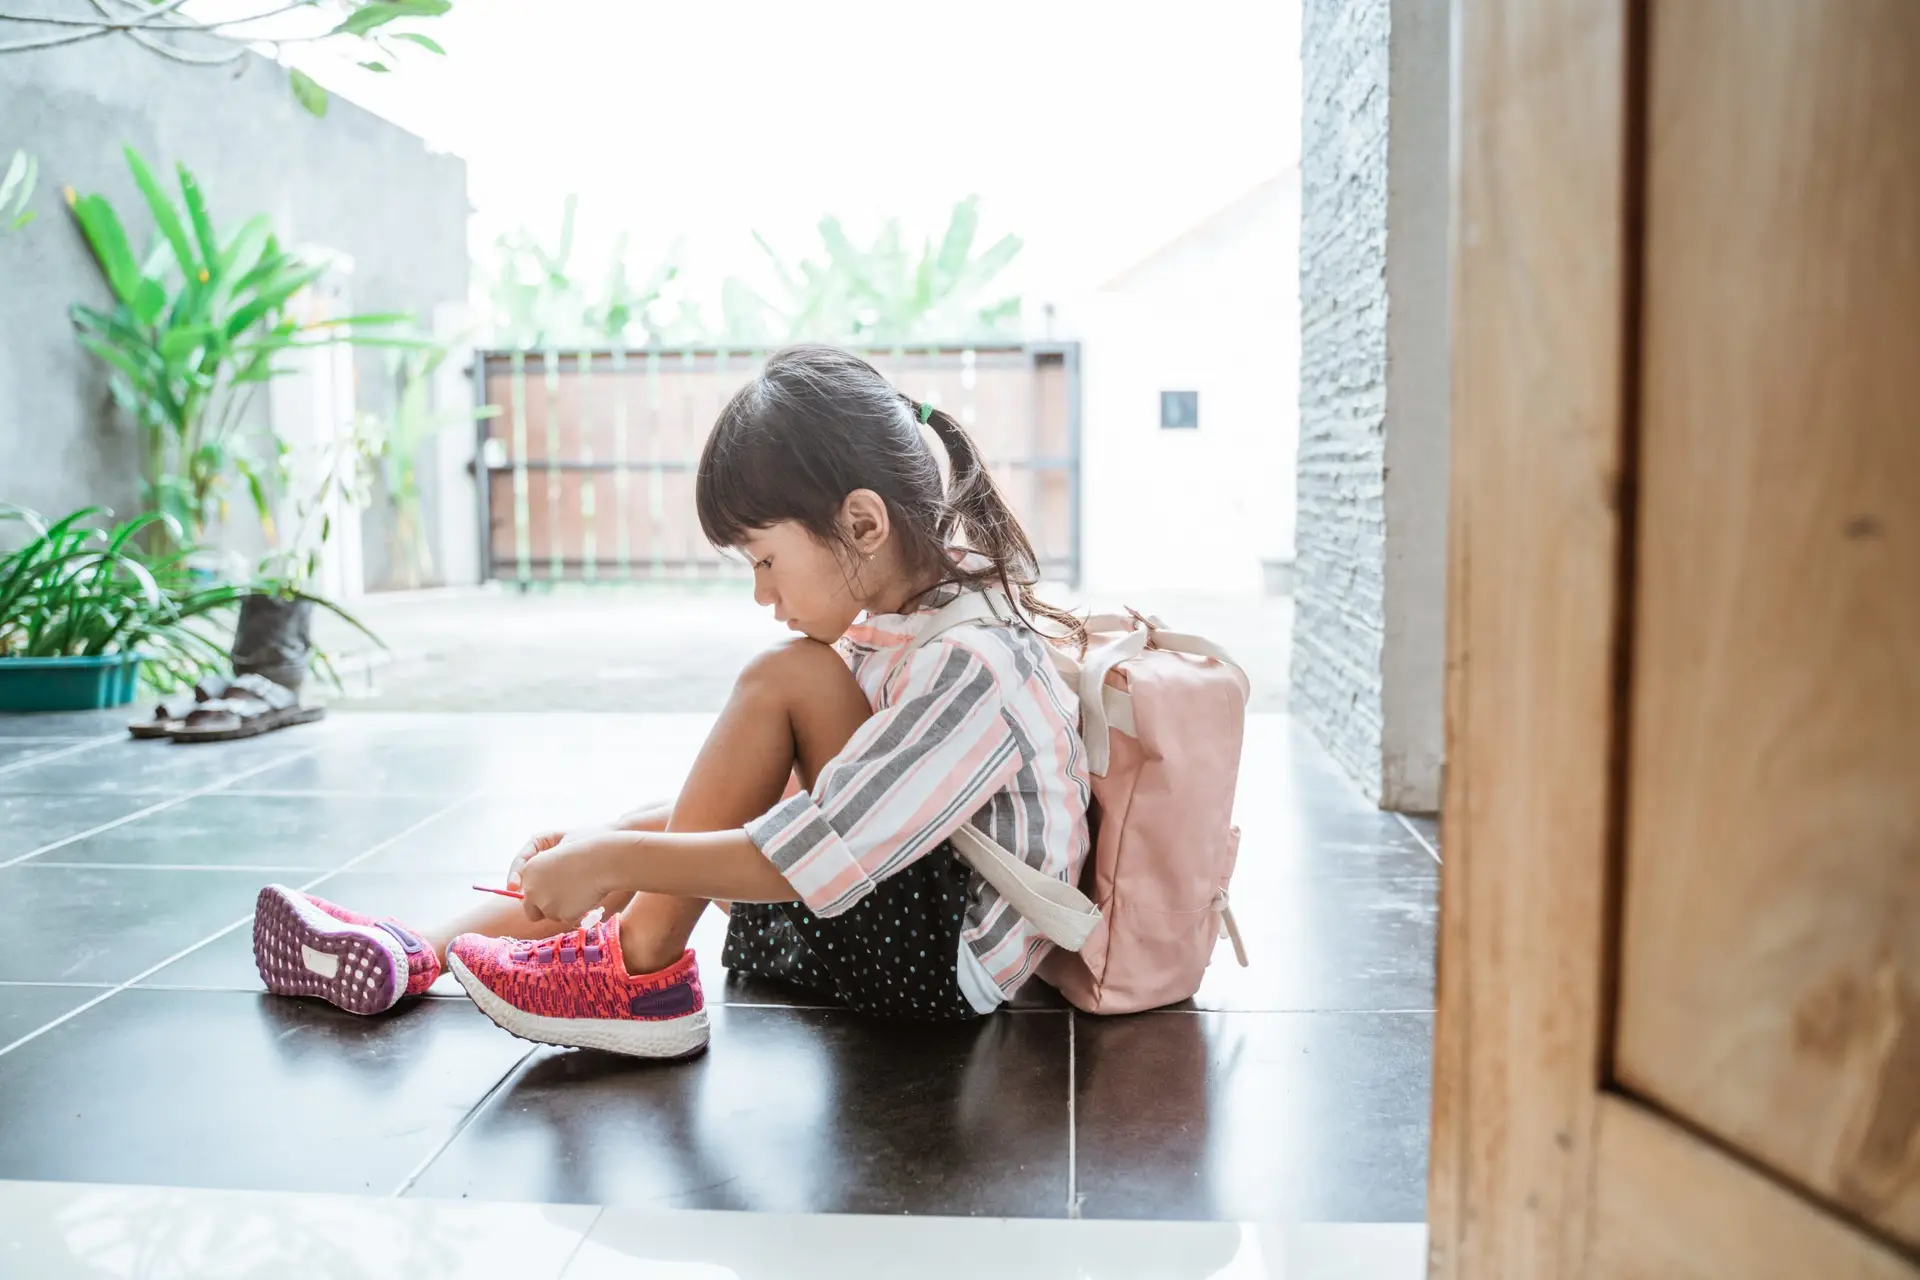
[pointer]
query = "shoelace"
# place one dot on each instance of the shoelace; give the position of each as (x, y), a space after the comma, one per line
(564, 947)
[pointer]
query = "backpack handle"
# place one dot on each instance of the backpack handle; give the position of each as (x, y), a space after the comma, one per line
(1104, 708)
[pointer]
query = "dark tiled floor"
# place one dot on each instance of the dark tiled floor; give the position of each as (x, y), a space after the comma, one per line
(1294, 1090)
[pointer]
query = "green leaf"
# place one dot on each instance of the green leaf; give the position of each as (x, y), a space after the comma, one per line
(308, 91)
(381, 67)
(425, 42)
(197, 215)
(242, 253)
(958, 242)
(178, 343)
(380, 12)
(108, 239)
(149, 300)
(165, 216)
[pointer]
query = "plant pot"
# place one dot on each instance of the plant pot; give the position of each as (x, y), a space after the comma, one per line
(68, 684)
(274, 639)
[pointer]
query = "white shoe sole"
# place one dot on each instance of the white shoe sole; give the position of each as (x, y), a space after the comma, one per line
(300, 950)
(636, 1038)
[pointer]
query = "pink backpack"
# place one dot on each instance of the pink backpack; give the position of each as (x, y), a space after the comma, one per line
(1163, 715)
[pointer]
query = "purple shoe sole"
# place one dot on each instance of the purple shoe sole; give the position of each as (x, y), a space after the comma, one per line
(300, 950)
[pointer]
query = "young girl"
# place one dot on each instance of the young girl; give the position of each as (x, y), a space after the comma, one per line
(821, 805)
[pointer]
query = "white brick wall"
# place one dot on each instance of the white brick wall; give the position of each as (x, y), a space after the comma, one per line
(1339, 620)
(1369, 631)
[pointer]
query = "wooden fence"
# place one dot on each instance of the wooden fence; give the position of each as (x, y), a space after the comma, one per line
(588, 464)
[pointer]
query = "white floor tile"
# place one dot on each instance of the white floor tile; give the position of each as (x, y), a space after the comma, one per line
(76, 1231)
(66, 1231)
(685, 1245)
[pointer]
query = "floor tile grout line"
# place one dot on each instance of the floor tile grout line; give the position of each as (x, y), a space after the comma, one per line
(151, 809)
(1419, 835)
(148, 972)
(466, 1121)
(395, 838)
(1073, 1121)
(600, 1212)
(72, 749)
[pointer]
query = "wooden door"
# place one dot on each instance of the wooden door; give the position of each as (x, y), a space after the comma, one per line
(1679, 1009)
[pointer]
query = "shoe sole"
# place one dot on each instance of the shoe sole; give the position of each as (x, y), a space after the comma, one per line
(680, 1037)
(300, 950)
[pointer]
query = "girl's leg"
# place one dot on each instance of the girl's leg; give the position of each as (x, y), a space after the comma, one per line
(793, 709)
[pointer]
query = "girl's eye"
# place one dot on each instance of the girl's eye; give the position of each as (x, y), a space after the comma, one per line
(764, 564)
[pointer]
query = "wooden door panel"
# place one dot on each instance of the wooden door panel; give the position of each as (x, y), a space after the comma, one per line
(1668, 1206)
(1770, 965)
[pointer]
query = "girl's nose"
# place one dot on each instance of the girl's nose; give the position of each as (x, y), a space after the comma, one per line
(762, 593)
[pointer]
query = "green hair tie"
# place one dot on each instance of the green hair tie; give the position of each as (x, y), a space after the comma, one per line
(926, 414)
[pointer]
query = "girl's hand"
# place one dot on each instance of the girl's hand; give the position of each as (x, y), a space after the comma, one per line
(543, 842)
(539, 844)
(567, 879)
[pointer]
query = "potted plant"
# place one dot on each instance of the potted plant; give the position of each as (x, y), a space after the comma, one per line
(82, 611)
(274, 634)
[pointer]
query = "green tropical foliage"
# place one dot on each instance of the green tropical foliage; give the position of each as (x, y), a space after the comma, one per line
(883, 291)
(74, 589)
(194, 333)
(540, 300)
(415, 421)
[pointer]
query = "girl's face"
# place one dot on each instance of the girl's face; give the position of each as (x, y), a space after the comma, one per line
(807, 584)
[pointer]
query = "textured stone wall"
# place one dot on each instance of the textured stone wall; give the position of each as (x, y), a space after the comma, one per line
(1369, 638)
(1339, 619)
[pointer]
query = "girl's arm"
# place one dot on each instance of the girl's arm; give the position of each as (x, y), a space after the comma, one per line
(708, 864)
(573, 877)
(648, 817)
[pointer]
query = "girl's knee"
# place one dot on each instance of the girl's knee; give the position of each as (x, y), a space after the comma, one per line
(793, 665)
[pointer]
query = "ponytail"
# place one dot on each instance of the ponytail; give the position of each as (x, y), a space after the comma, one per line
(979, 520)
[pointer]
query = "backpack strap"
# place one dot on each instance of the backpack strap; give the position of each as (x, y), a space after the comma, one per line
(1061, 913)
(965, 608)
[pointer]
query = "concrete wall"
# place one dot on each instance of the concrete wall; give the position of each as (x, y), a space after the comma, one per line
(1413, 649)
(1369, 629)
(1215, 312)
(350, 182)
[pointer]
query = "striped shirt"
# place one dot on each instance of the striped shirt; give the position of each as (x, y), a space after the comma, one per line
(974, 726)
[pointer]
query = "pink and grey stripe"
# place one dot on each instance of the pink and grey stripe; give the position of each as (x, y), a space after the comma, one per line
(974, 726)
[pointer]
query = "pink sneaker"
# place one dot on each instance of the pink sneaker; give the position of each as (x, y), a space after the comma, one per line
(423, 966)
(302, 950)
(574, 990)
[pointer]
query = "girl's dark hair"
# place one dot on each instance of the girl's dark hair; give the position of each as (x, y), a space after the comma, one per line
(818, 423)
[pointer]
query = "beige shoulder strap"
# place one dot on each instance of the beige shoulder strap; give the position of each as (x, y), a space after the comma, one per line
(1063, 915)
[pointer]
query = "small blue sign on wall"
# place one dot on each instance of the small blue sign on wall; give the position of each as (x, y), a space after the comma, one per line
(1179, 410)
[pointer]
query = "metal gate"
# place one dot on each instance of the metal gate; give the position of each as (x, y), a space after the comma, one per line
(587, 466)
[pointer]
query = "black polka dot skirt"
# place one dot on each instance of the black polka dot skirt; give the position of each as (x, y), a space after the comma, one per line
(892, 954)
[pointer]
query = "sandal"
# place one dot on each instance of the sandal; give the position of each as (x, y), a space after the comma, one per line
(252, 705)
(172, 712)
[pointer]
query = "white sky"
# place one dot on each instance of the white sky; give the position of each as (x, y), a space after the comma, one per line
(1096, 131)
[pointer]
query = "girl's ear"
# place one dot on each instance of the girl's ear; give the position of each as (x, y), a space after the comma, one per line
(864, 516)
